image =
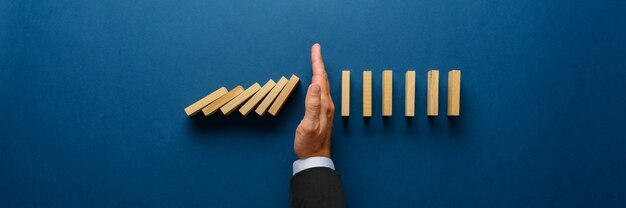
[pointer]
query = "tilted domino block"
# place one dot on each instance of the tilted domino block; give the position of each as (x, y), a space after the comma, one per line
(284, 94)
(240, 99)
(216, 105)
(256, 99)
(265, 104)
(196, 107)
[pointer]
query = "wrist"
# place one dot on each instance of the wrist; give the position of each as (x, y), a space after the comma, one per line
(321, 153)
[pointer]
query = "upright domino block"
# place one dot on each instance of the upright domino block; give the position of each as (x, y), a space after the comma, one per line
(284, 94)
(265, 104)
(433, 93)
(367, 93)
(387, 92)
(256, 99)
(454, 92)
(216, 105)
(409, 94)
(196, 107)
(240, 99)
(345, 93)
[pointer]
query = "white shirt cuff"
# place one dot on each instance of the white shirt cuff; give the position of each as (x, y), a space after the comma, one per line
(312, 162)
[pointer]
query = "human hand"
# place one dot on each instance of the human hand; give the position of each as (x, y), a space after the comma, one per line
(313, 134)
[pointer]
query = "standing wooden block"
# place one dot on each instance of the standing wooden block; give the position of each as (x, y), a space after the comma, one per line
(256, 99)
(284, 94)
(433, 93)
(367, 93)
(215, 105)
(387, 92)
(240, 99)
(271, 96)
(345, 93)
(196, 107)
(409, 94)
(454, 93)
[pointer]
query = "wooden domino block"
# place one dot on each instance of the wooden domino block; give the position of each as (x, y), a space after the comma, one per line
(265, 104)
(284, 94)
(367, 93)
(196, 107)
(387, 92)
(433, 93)
(454, 92)
(240, 99)
(216, 105)
(409, 94)
(345, 93)
(256, 99)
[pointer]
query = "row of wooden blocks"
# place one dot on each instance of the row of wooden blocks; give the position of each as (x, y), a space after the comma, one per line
(267, 98)
(432, 108)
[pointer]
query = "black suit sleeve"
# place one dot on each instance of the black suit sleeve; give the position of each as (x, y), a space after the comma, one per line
(316, 187)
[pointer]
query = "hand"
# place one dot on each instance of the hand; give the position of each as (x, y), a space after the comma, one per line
(313, 133)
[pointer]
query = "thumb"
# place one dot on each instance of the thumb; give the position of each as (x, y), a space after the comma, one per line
(312, 104)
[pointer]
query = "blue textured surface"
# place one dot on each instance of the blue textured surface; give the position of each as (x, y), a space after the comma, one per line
(92, 96)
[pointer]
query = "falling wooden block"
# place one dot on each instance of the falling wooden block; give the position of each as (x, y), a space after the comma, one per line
(454, 92)
(256, 99)
(284, 94)
(367, 93)
(345, 93)
(265, 104)
(240, 99)
(409, 94)
(215, 105)
(387, 92)
(433, 93)
(196, 107)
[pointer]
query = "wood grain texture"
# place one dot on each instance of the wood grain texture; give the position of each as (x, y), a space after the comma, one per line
(284, 94)
(387, 92)
(196, 107)
(367, 93)
(271, 96)
(240, 99)
(432, 108)
(345, 93)
(256, 99)
(216, 105)
(409, 94)
(454, 93)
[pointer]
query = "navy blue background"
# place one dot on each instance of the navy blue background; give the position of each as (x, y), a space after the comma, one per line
(92, 96)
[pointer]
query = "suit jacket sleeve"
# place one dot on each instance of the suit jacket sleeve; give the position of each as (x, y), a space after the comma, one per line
(316, 187)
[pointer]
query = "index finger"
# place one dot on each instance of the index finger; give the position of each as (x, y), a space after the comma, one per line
(319, 71)
(316, 60)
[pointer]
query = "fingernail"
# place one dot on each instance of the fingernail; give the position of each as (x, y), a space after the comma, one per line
(315, 89)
